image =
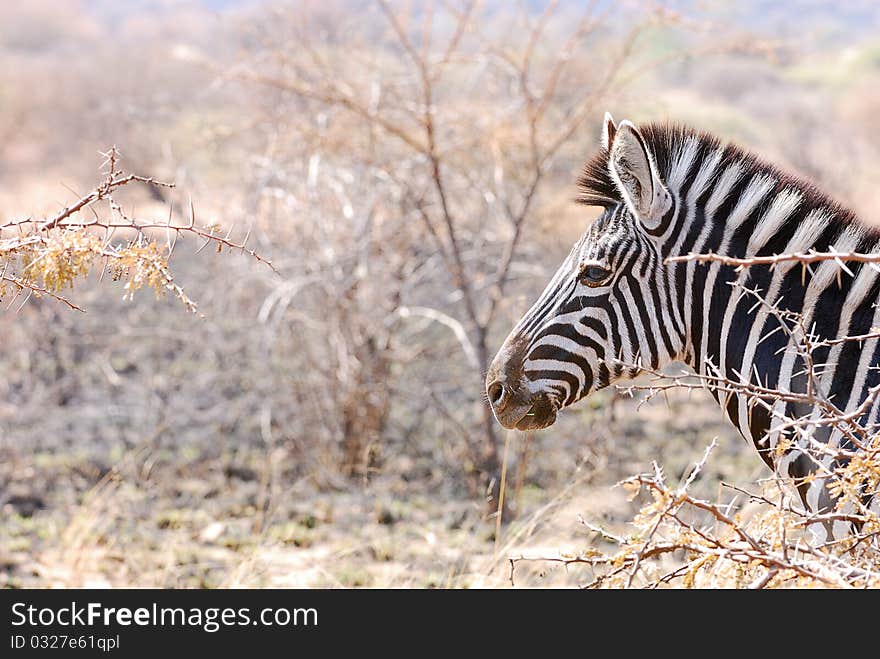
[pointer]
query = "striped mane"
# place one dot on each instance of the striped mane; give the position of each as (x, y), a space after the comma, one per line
(669, 141)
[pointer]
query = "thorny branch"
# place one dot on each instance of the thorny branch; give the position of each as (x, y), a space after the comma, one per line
(45, 256)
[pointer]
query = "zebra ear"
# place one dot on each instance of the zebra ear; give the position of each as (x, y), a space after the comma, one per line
(609, 128)
(633, 170)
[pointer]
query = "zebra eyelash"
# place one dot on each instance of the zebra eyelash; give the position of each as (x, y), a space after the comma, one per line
(593, 274)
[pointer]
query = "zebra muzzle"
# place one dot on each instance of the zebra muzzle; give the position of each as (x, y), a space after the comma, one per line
(520, 410)
(540, 415)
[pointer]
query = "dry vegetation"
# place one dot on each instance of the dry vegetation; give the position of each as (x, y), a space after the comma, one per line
(43, 257)
(408, 169)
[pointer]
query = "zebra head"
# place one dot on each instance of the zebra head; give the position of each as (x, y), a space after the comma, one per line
(608, 309)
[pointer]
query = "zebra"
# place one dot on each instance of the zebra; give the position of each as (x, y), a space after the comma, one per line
(618, 306)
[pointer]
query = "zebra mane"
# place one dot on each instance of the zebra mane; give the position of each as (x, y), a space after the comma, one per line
(669, 143)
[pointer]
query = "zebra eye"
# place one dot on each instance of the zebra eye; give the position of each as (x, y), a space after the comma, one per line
(593, 275)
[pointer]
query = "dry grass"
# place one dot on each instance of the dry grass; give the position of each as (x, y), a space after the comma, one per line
(176, 517)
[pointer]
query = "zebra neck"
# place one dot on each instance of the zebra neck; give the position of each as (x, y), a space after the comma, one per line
(730, 329)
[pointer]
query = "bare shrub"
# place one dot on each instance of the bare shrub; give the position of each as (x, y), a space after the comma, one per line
(407, 163)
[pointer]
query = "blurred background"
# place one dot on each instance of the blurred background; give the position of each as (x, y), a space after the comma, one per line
(410, 169)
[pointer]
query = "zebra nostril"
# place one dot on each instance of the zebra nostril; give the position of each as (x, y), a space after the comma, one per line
(496, 392)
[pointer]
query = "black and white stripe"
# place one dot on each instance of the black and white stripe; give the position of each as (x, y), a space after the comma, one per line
(671, 191)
